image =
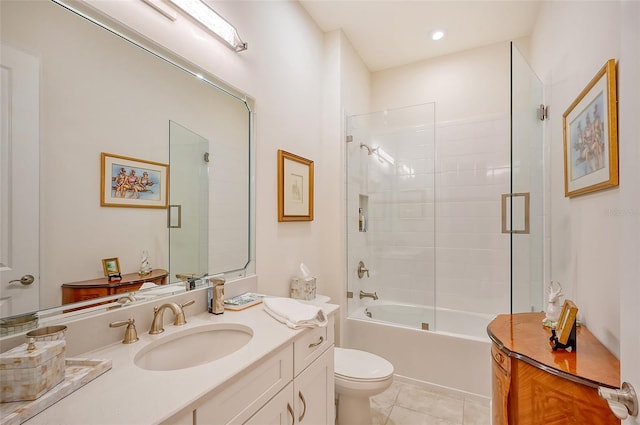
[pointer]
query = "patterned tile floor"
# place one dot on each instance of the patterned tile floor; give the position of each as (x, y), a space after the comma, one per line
(408, 404)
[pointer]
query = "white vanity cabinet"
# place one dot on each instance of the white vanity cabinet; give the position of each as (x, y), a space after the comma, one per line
(308, 400)
(293, 386)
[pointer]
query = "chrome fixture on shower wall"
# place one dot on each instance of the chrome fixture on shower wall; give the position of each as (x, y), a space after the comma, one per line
(369, 149)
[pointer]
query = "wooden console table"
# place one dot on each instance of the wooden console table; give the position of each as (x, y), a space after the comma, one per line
(534, 385)
(97, 288)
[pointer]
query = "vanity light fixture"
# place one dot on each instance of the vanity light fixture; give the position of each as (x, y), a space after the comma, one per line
(215, 23)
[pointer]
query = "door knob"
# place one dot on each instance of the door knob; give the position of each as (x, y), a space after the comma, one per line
(27, 279)
(622, 402)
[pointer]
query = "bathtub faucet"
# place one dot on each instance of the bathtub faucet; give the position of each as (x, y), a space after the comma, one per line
(372, 295)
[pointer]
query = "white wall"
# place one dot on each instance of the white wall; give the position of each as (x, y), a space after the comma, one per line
(346, 92)
(463, 85)
(566, 52)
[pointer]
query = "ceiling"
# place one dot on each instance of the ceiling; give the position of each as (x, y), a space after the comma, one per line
(390, 33)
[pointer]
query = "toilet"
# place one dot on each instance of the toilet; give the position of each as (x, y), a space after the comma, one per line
(358, 376)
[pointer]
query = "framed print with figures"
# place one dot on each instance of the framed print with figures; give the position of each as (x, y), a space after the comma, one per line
(131, 182)
(590, 136)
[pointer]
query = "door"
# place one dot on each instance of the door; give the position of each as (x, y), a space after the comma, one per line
(313, 392)
(19, 163)
(629, 127)
(523, 210)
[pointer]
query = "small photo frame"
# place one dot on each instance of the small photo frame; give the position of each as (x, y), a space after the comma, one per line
(566, 322)
(111, 266)
(590, 136)
(132, 182)
(295, 187)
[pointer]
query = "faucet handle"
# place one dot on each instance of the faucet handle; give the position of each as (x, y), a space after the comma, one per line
(188, 303)
(180, 318)
(130, 334)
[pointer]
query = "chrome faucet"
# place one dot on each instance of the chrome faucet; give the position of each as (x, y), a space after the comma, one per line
(372, 295)
(157, 325)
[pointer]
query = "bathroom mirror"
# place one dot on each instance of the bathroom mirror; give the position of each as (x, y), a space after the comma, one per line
(92, 91)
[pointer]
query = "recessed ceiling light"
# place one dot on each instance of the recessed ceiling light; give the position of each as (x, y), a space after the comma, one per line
(437, 35)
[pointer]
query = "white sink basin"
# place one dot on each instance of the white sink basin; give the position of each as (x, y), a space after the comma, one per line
(194, 346)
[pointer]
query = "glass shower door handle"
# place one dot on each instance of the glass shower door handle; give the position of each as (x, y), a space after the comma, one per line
(174, 216)
(515, 213)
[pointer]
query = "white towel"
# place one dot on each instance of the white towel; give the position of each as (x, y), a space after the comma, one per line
(295, 314)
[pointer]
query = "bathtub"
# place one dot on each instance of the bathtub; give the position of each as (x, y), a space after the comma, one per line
(454, 353)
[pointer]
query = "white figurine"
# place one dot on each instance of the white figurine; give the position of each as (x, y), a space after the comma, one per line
(145, 267)
(554, 306)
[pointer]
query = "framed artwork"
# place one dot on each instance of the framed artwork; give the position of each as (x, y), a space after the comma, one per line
(295, 187)
(111, 266)
(590, 136)
(131, 182)
(567, 321)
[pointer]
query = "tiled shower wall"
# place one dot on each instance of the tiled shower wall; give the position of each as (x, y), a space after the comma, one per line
(472, 255)
(433, 216)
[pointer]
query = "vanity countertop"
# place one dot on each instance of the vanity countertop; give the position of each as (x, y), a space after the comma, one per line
(131, 395)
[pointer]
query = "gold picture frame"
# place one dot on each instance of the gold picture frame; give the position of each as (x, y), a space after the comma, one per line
(133, 183)
(295, 187)
(566, 322)
(111, 266)
(590, 136)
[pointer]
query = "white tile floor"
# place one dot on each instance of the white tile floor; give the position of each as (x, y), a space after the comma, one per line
(408, 404)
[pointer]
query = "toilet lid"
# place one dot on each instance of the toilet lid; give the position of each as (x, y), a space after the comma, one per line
(361, 365)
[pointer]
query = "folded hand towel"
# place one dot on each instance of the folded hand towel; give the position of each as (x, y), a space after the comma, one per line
(295, 314)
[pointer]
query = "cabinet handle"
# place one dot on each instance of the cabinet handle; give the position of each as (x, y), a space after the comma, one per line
(304, 406)
(315, 344)
(290, 410)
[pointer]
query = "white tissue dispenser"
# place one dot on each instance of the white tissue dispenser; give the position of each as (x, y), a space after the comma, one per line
(303, 288)
(30, 370)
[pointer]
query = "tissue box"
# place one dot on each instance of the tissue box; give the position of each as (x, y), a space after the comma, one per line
(303, 289)
(28, 375)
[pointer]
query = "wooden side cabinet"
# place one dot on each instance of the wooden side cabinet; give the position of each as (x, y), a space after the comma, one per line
(533, 385)
(96, 288)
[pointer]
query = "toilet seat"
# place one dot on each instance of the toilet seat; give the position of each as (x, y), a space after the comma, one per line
(361, 366)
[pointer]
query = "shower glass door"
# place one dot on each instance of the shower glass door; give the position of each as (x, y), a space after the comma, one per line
(390, 170)
(527, 167)
(189, 202)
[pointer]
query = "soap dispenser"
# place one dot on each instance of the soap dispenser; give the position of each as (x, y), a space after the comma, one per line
(217, 299)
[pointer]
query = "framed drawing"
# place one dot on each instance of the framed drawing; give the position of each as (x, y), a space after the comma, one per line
(131, 182)
(295, 187)
(111, 267)
(590, 136)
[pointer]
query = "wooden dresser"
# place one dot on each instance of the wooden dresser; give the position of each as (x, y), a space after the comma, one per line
(534, 385)
(96, 288)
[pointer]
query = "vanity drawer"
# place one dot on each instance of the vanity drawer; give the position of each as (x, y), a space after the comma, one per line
(310, 345)
(501, 359)
(235, 403)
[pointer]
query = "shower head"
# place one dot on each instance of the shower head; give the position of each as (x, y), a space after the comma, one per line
(369, 149)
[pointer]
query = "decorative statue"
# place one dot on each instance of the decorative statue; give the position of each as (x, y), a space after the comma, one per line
(145, 267)
(554, 307)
